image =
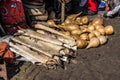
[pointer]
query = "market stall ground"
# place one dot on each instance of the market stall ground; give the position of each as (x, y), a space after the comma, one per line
(101, 63)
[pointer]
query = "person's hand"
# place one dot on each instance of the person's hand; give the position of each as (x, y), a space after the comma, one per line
(107, 8)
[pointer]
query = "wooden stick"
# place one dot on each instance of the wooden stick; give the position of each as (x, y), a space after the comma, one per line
(62, 11)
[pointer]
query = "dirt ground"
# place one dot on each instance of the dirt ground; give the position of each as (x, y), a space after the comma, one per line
(101, 63)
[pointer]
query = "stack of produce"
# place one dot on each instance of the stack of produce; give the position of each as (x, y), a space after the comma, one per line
(43, 48)
(87, 33)
(52, 44)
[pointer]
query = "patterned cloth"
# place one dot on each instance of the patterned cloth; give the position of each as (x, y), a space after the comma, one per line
(11, 11)
(12, 15)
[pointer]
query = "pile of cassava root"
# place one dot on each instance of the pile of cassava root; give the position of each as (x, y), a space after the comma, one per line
(51, 44)
(49, 48)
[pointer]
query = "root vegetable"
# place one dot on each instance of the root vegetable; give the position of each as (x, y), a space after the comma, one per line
(84, 36)
(81, 43)
(97, 33)
(67, 33)
(43, 27)
(97, 26)
(102, 39)
(26, 52)
(78, 21)
(109, 29)
(51, 23)
(97, 20)
(84, 20)
(43, 37)
(94, 42)
(42, 48)
(70, 27)
(76, 32)
(101, 30)
(91, 28)
(91, 35)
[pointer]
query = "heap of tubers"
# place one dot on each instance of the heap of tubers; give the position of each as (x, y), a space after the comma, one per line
(53, 44)
(87, 33)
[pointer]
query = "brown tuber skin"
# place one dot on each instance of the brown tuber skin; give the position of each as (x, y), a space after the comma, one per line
(84, 20)
(81, 43)
(94, 42)
(97, 21)
(76, 32)
(97, 26)
(109, 29)
(51, 23)
(70, 27)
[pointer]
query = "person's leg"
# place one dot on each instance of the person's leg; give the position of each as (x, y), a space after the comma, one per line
(119, 13)
(112, 4)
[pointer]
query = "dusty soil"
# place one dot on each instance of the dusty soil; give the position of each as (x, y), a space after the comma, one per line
(101, 63)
